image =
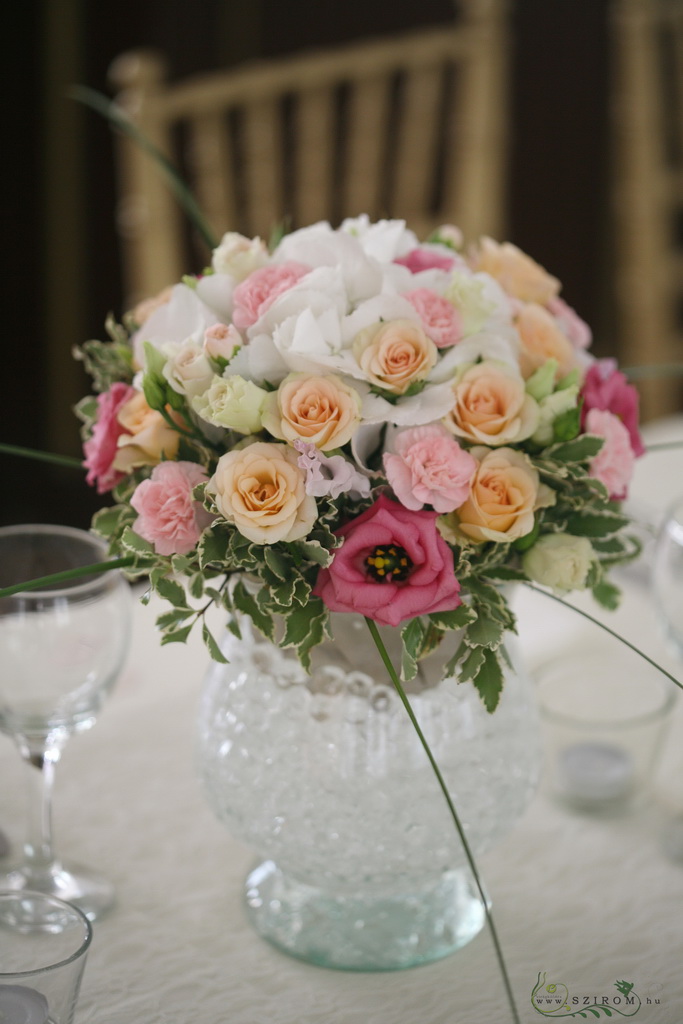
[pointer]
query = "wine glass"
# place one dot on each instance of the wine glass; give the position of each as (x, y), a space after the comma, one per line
(667, 575)
(61, 649)
(667, 588)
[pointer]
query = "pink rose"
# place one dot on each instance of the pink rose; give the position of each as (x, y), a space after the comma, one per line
(429, 468)
(441, 320)
(613, 465)
(425, 259)
(257, 292)
(605, 387)
(570, 323)
(100, 449)
(167, 516)
(392, 566)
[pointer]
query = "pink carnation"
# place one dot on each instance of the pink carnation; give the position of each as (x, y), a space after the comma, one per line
(100, 449)
(425, 259)
(605, 387)
(440, 319)
(418, 579)
(257, 292)
(570, 323)
(429, 468)
(613, 465)
(167, 516)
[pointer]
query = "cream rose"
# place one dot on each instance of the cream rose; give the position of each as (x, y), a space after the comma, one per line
(505, 493)
(491, 404)
(147, 437)
(322, 410)
(187, 368)
(262, 491)
(542, 340)
(232, 402)
(518, 274)
(395, 354)
(560, 561)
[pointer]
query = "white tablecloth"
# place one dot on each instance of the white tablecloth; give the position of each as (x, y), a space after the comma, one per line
(588, 901)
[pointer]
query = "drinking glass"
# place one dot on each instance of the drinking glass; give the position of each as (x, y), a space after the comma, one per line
(44, 944)
(61, 649)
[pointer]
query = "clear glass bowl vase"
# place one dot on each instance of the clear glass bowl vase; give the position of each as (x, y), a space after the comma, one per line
(360, 866)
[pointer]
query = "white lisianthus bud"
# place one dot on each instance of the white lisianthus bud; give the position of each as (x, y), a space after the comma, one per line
(221, 341)
(559, 561)
(239, 256)
(232, 402)
(187, 368)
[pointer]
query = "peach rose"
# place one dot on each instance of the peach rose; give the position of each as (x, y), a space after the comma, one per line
(262, 491)
(146, 437)
(394, 354)
(517, 273)
(541, 340)
(491, 404)
(322, 410)
(504, 495)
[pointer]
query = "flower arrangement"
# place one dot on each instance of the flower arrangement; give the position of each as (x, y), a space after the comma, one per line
(361, 422)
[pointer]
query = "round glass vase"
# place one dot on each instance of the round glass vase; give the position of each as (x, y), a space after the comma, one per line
(360, 866)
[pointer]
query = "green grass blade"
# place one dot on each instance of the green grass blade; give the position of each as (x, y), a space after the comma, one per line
(33, 453)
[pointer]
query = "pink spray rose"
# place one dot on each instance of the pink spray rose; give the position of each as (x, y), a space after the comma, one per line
(100, 449)
(605, 387)
(167, 516)
(613, 465)
(441, 320)
(429, 468)
(570, 323)
(425, 259)
(257, 292)
(392, 566)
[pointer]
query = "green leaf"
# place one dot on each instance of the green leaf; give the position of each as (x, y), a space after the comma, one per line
(529, 539)
(134, 543)
(412, 636)
(167, 620)
(484, 632)
(489, 681)
(456, 619)
(316, 633)
(470, 665)
(213, 547)
(607, 595)
(212, 647)
(277, 562)
(298, 622)
(196, 585)
(108, 521)
(314, 552)
(595, 524)
(578, 450)
(244, 602)
(234, 627)
(171, 591)
(178, 636)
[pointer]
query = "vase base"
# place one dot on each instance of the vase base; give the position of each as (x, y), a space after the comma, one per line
(357, 933)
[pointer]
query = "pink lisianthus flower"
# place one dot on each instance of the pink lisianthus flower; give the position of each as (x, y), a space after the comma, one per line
(428, 467)
(257, 292)
(329, 475)
(100, 449)
(167, 515)
(570, 323)
(441, 320)
(613, 465)
(392, 566)
(605, 387)
(426, 259)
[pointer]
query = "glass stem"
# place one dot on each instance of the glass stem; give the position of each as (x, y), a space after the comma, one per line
(40, 772)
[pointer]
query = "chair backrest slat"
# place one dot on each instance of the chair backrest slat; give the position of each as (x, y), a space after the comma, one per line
(315, 170)
(211, 165)
(367, 114)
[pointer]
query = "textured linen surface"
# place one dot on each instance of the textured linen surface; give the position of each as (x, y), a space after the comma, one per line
(588, 901)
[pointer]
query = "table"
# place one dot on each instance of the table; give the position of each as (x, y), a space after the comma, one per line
(588, 901)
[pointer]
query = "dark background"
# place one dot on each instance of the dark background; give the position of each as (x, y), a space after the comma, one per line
(61, 267)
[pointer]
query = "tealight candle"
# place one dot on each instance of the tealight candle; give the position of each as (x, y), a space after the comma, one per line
(22, 1005)
(596, 772)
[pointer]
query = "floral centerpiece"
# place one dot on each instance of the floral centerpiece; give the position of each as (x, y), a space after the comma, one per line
(362, 422)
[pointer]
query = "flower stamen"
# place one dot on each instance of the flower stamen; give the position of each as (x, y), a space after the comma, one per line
(388, 564)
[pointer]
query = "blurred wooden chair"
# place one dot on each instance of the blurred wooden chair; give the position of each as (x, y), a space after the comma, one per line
(647, 118)
(412, 126)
